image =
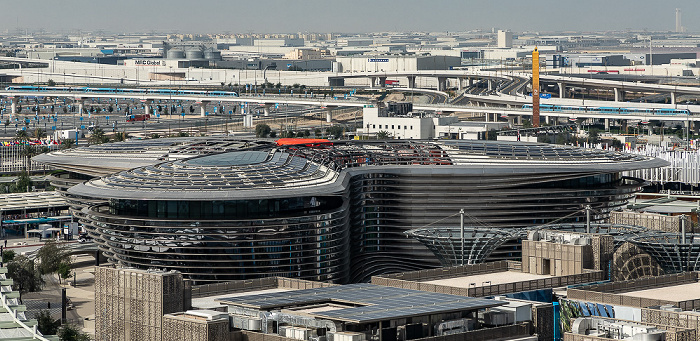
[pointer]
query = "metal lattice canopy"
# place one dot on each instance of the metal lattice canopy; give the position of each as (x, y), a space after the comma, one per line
(479, 242)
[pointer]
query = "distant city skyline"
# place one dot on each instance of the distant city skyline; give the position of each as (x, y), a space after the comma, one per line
(358, 16)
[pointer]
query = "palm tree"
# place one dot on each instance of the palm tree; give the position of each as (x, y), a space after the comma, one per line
(39, 134)
(21, 135)
(67, 144)
(28, 152)
(121, 136)
(98, 136)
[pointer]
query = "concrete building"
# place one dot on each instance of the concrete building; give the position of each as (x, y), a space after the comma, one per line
(279, 42)
(196, 325)
(601, 328)
(396, 63)
(505, 39)
(560, 253)
(130, 303)
(423, 126)
(305, 54)
(284, 309)
(665, 302)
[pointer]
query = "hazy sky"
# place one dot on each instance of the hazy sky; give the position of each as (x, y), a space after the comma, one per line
(259, 16)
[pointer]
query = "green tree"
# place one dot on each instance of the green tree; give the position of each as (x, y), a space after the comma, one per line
(262, 130)
(383, 135)
(98, 136)
(335, 131)
(28, 152)
(21, 135)
(64, 270)
(67, 143)
(51, 82)
(527, 124)
(25, 275)
(71, 332)
(273, 134)
(8, 256)
(39, 133)
(593, 135)
(278, 85)
(23, 183)
(155, 136)
(46, 324)
(50, 257)
(121, 136)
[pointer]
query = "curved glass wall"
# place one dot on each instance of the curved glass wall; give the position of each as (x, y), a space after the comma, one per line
(338, 212)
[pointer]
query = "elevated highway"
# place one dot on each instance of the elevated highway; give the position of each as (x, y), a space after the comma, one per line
(510, 105)
(619, 87)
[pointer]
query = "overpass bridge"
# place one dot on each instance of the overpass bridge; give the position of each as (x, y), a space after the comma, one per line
(462, 77)
(619, 87)
(510, 106)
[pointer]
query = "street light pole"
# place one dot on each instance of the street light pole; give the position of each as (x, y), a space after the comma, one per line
(461, 229)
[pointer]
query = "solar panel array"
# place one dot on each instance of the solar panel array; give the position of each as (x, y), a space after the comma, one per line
(375, 302)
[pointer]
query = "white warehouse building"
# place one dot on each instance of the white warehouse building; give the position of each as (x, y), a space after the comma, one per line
(396, 63)
(423, 126)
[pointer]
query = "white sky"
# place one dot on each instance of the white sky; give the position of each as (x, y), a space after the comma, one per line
(234, 16)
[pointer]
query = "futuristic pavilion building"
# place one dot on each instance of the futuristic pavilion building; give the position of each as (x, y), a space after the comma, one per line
(331, 211)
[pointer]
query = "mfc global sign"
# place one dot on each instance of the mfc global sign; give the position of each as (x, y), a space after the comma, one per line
(148, 62)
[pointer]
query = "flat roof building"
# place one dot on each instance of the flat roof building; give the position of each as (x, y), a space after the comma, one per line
(396, 63)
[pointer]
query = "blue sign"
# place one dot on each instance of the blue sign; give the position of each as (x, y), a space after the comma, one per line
(82, 127)
(107, 118)
(53, 127)
(81, 118)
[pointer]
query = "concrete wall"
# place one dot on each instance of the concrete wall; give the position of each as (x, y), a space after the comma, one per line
(652, 221)
(413, 280)
(130, 304)
(547, 258)
(180, 328)
(609, 293)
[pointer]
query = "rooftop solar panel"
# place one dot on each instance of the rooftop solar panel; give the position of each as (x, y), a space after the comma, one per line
(374, 302)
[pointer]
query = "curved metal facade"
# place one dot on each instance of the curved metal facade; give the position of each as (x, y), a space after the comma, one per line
(339, 213)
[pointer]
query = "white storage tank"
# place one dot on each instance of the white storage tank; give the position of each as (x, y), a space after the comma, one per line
(194, 54)
(176, 54)
(211, 54)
